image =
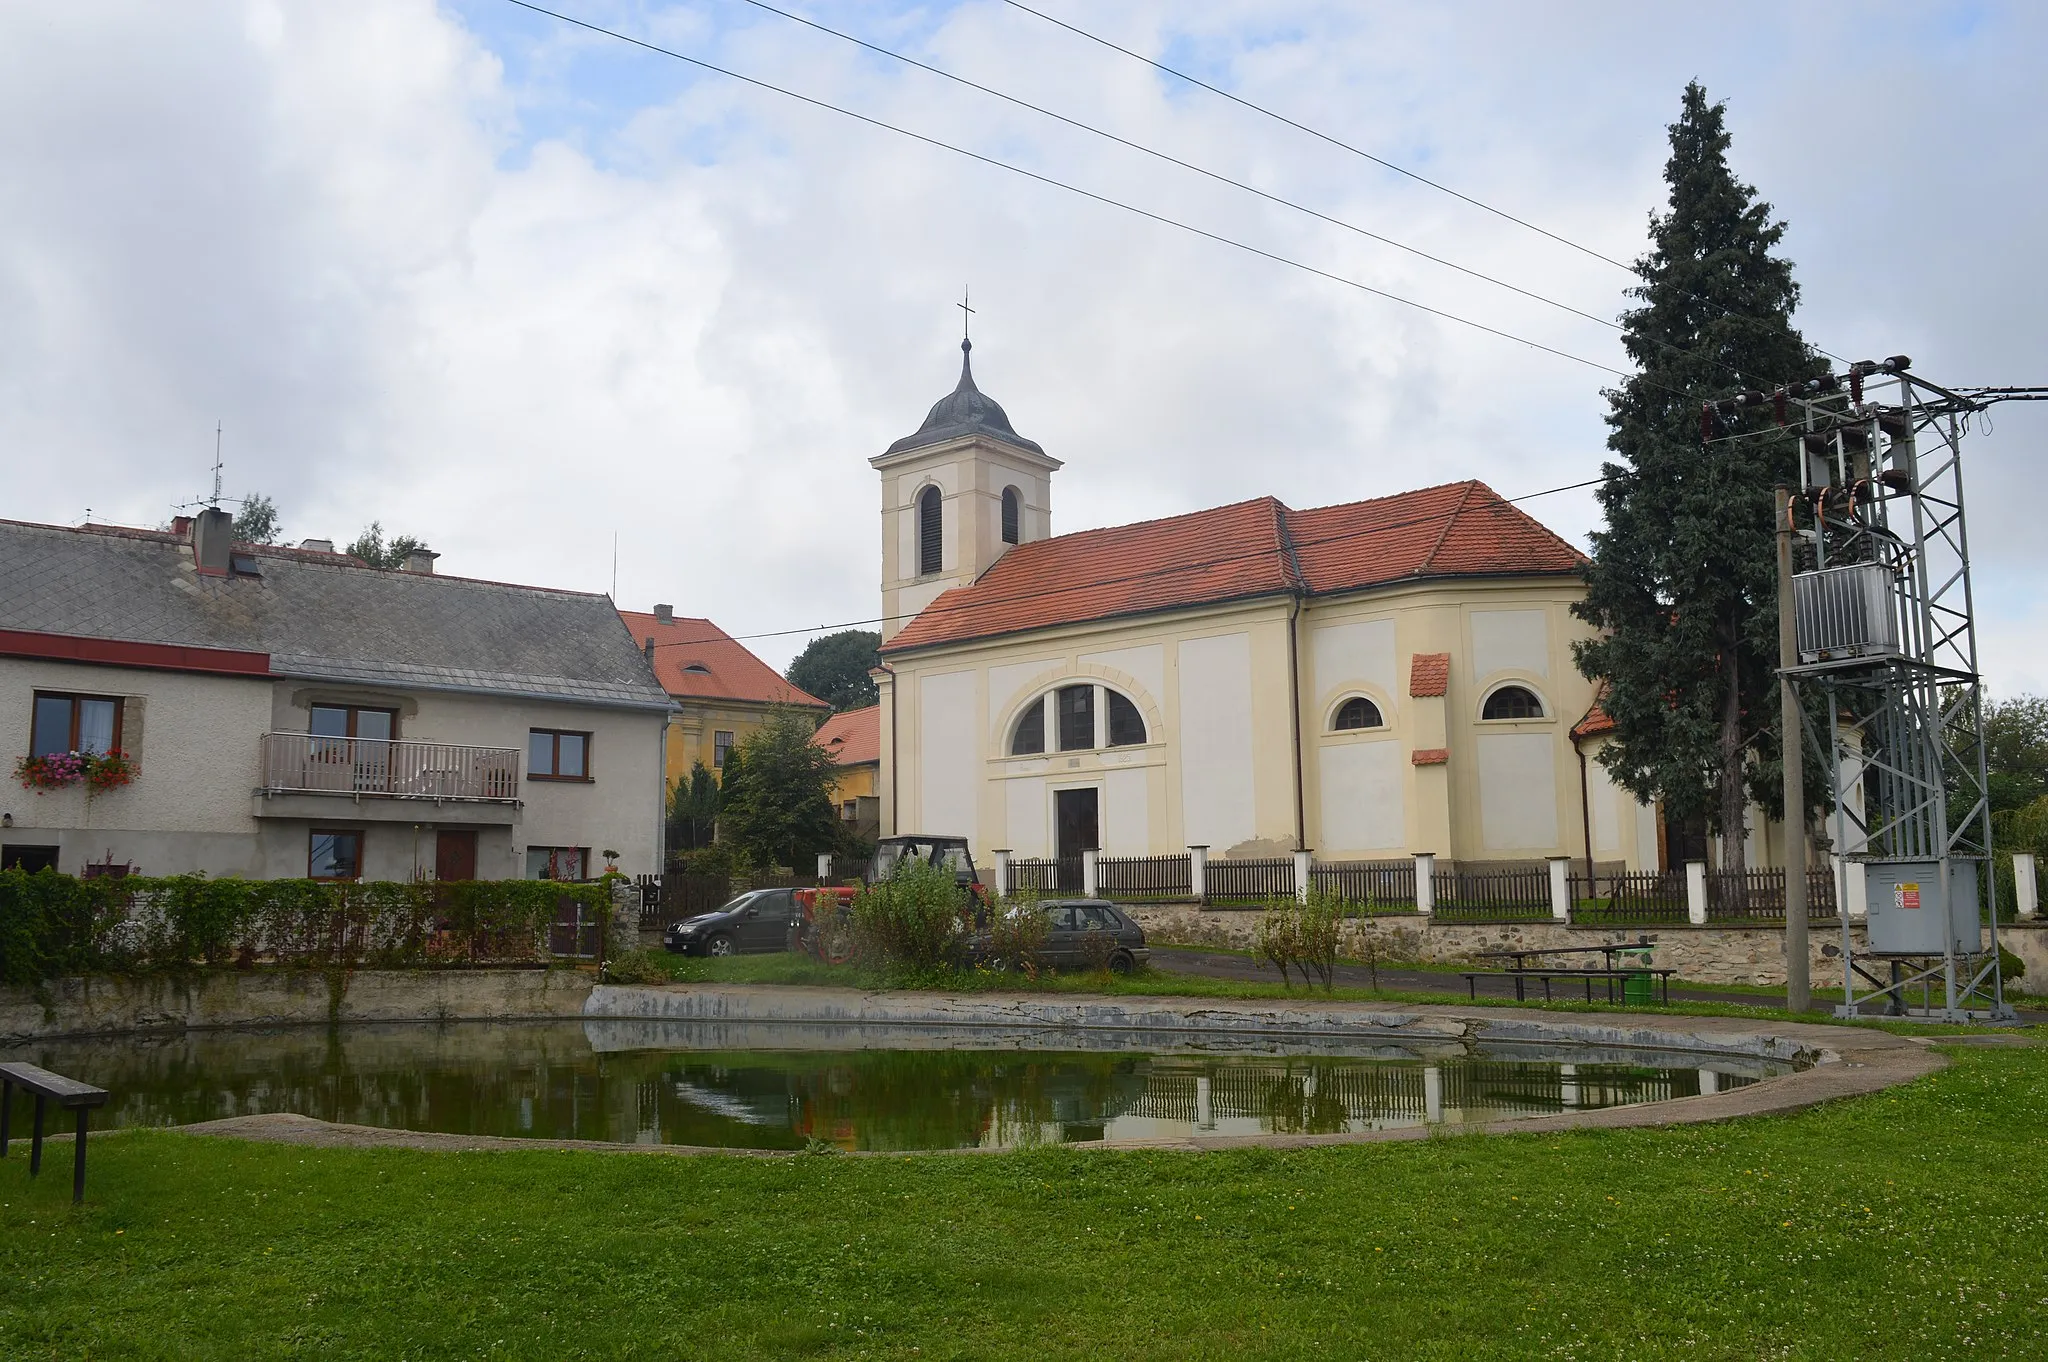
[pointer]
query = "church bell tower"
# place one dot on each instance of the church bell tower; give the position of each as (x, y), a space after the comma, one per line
(956, 495)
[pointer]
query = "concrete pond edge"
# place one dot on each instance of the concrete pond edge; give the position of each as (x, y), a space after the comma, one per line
(1835, 1061)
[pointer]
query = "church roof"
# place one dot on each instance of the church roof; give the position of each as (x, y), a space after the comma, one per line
(1253, 548)
(694, 659)
(964, 411)
(853, 736)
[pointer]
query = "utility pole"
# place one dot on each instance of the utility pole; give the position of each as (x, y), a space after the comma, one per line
(1798, 988)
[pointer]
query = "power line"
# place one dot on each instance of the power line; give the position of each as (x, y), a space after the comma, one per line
(1085, 193)
(1360, 152)
(1187, 165)
(936, 609)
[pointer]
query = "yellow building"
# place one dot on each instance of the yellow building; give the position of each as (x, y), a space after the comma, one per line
(722, 692)
(854, 738)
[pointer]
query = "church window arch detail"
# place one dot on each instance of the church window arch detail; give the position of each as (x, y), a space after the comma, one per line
(1512, 702)
(1079, 717)
(1357, 712)
(931, 523)
(1013, 516)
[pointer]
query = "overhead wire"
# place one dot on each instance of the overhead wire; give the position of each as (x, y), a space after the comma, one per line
(1342, 145)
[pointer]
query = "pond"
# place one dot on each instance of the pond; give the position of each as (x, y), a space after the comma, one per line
(760, 1086)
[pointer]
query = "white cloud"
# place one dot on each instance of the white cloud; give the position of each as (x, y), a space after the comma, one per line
(514, 290)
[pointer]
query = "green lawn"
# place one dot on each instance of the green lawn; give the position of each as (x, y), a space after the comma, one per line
(1910, 1224)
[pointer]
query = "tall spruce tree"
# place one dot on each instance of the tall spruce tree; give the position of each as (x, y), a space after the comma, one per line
(1683, 579)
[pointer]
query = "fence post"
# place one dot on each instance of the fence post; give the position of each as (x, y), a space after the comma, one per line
(1304, 873)
(1089, 877)
(2026, 889)
(1425, 882)
(1198, 873)
(1854, 898)
(824, 865)
(1696, 893)
(1002, 872)
(1561, 888)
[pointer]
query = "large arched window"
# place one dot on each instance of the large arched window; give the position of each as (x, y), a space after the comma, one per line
(1013, 516)
(1077, 718)
(1358, 712)
(930, 525)
(1512, 702)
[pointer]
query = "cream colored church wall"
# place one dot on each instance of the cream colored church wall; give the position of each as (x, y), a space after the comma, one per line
(1218, 676)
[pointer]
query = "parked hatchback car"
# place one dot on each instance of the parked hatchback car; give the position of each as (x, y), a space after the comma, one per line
(756, 921)
(1085, 934)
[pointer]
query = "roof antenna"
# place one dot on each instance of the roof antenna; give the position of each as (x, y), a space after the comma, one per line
(615, 567)
(216, 466)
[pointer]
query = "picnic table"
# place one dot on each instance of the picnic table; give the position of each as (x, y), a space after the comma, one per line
(67, 1093)
(1522, 972)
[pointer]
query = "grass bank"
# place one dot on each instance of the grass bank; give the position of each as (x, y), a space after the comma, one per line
(1909, 1224)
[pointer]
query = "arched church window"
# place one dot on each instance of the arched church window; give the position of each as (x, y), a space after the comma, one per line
(1075, 706)
(1512, 702)
(930, 522)
(1358, 712)
(1013, 515)
(1029, 739)
(1126, 725)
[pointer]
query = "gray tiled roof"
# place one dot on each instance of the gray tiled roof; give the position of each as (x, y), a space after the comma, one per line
(324, 616)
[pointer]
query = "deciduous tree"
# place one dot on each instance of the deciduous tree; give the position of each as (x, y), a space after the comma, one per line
(835, 668)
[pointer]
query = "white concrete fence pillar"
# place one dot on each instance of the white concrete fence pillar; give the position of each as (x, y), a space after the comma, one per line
(1425, 882)
(1568, 1086)
(2026, 890)
(1205, 1103)
(1002, 872)
(1198, 873)
(1432, 1094)
(824, 865)
(1696, 893)
(1710, 1082)
(1088, 876)
(1561, 888)
(1304, 873)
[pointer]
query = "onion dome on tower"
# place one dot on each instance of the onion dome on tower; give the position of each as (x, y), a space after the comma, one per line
(964, 411)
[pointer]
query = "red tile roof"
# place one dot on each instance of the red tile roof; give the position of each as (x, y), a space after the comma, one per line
(697, 660)
(1430, 756)
(1429, 674)
(1596, 719)
(1253, 548)
(853, 737)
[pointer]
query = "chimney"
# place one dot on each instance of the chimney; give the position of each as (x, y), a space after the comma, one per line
(213, 534)
(420, 560)
(665, 614)
(650, 650)
(317, 545)
(181, 526)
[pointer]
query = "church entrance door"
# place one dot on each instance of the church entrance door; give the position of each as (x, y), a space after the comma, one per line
(1079, 830)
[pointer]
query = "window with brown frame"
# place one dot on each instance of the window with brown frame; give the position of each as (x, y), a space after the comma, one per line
(352, 721)
(721, 747)
(556, 754)
(334, 854)
(75, 723)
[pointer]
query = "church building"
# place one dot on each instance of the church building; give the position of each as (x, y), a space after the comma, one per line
(1368, 680)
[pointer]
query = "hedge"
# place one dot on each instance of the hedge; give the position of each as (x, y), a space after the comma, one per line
(52, 924)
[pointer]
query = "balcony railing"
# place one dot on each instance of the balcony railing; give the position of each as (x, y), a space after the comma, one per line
(395, 768)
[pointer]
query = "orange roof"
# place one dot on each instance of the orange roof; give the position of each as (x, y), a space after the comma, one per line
(1253, 548)
(854, 737)
(697, 660)
(1596, 719)
(1430, 756)
(1429, 674)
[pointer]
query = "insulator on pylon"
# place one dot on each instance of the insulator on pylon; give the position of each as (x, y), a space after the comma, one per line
(1778, 405)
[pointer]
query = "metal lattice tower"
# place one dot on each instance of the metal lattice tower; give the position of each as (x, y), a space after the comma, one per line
(1887, 645)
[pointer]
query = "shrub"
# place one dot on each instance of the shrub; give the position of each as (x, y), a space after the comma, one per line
(53, 924)
(912, 919)
(1303, 934)
(1017, 929)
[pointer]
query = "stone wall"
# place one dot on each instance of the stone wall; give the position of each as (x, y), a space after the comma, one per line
(74, 1007)
(1720, 954)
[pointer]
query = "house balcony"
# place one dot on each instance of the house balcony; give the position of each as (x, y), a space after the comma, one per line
(387, 780)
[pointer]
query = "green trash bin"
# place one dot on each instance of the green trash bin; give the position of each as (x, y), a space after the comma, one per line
(1639, 988)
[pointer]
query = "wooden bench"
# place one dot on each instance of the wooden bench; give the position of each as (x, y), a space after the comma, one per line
(1522, 975)
(67, 1093)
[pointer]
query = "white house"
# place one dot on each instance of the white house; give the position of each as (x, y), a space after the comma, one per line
(292, 712)
(1369, 680)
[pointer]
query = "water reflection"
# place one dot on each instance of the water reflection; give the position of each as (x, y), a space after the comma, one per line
(549, 1080)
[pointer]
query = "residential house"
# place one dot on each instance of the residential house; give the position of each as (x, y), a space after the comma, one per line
(292, 712)
(1368, 680)
(854, 738)
(720, 691)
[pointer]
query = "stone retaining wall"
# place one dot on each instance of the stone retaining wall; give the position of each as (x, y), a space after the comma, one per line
(74, 1007)
(1719, 954)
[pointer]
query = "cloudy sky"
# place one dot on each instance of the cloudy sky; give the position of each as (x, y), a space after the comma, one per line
(518, 289)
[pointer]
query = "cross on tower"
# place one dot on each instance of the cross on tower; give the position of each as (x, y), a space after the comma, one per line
(965, 312)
